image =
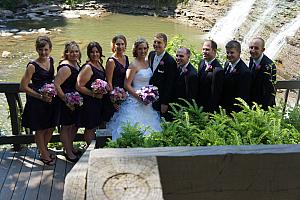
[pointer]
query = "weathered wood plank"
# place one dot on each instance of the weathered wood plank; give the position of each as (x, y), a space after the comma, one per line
(2, 151)
(13, 175)
(58, 178)
(28, 139)
(24, 176)
(75, 182)
(35, 179)
(290, 84)
(46, 183)
(4, 167)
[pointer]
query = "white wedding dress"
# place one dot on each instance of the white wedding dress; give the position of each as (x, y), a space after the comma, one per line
(133, 111)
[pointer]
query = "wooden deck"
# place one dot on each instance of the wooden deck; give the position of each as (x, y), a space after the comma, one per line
(24, 176)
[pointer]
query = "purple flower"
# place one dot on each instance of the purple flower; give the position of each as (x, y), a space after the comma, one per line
(257, 67)
(148, 94)
(99, 86)
(48, 89)
(73, 99)
(161, 62)
(209, 68)
(118, 95)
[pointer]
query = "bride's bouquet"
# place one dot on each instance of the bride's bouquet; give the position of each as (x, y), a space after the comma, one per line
(118, 95)
(73, 99)
(100, 87)
(148, 94)
(48, 89)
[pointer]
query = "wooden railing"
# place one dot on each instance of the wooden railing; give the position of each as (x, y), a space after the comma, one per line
(12, 93)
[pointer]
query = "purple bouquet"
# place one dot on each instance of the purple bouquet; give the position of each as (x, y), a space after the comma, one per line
(48, 89)
(118, 95)
(99, 86)
(73, 99)
(148, 94)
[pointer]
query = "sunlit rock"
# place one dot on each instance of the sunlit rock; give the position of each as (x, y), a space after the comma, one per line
(6, 54)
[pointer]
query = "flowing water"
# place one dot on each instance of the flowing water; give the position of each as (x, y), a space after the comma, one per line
(83, 31)
(262, 20)
(225, 28)
(276, 42)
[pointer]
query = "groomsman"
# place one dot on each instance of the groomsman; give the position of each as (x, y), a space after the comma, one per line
(164, 69)
(263, 71)
(237, 81)
(210, 78)
(186, 77)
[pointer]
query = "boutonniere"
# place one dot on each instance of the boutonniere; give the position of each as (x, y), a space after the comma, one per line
(161, 62)
(209, 68)
(184, 70)
(257, 67)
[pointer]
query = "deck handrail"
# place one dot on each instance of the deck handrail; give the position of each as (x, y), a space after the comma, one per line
(12, 93)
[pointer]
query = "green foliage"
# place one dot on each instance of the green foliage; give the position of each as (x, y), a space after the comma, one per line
(192, 127)
(132, 136)
(293, 117)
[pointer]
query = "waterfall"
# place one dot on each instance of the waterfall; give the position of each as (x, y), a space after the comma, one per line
(260, 23)
(275, 43)
(224, 30)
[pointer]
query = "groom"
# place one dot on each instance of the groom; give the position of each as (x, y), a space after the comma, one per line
(164, 72)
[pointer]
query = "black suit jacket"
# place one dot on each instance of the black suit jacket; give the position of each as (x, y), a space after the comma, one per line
(236, 84)
(163, 77)
(262, 87)
(186, 84)
(210, 86)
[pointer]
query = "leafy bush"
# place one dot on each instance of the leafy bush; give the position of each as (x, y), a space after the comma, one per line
(131, 136)
(192, 127)
(293, 117)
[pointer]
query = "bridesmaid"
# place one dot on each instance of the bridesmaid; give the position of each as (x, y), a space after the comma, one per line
(65, 82)
(39, 113)
(91, 112)
(116, 67)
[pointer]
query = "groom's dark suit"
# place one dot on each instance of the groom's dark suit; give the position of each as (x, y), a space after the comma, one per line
(263, 78)
(163, 77)
(236, 84)
(186, 84)
(210, 86)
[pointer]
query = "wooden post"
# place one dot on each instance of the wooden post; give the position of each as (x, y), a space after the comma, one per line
(14, 116)
(102, 136)
(118, 177)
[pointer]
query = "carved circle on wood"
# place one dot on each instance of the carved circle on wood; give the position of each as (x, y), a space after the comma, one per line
(126, 186)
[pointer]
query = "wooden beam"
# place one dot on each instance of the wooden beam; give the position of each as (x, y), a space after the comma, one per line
(28, 139)
(291, 84)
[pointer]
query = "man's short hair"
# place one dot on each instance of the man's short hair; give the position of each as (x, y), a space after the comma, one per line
(233, 44)
(162, 36)
(213, 44)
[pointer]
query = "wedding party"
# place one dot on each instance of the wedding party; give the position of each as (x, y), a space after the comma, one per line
(117, 91)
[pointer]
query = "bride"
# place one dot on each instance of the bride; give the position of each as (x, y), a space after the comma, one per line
(133, 110)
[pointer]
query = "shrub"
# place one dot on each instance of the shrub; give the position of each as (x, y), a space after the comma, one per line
(192, 127)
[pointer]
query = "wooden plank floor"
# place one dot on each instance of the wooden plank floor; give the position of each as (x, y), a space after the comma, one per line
(24, 176)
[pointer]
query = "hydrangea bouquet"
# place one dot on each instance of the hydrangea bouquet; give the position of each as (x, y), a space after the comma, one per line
(99, 86)
(48, 89)
(148, 94)
(73, 99)
(118, 95)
